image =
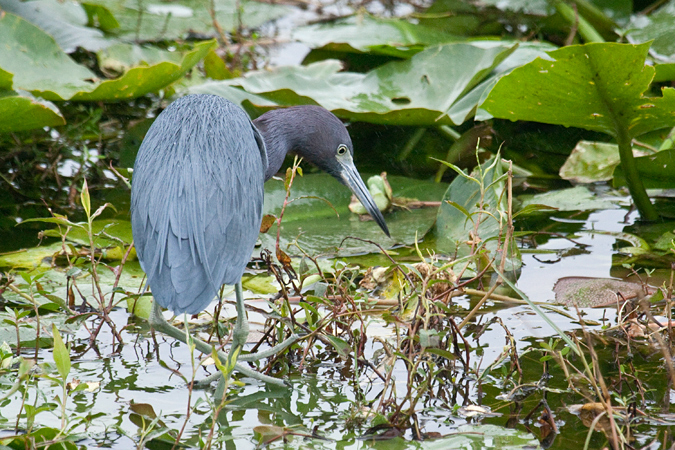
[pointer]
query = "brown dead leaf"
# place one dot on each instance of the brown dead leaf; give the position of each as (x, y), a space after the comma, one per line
(442, 281)
(374, 277)
(587, 292)
(267, 222)
(589, 411)
(284, 259)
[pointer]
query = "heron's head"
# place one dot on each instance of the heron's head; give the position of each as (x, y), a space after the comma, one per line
(319, 137)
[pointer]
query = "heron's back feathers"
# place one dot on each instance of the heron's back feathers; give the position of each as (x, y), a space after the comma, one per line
(196, 200)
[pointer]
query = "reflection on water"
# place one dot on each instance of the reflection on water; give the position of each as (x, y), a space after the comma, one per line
(332, 398)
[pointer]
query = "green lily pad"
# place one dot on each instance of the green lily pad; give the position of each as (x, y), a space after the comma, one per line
(22, 111)
(664, 72)
(350, 95)
(469, 437)
(599, 161)
(107, 233)
(658, 27)
(122, 57)
(30, 258)
(139, 81)
(595, 86)
(458, 212)
(66, 22)
(38, 64)
(467, 106)
(418, 91)
(318, 230)
(41, 67)
(578, 198)
(140, 306)
(173, 20)
(590, 162)
(260, 283)
(364, 33)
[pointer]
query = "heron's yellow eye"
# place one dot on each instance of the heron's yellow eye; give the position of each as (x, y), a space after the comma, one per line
(342, 150)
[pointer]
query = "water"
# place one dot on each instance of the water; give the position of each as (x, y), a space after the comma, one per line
(328, 397)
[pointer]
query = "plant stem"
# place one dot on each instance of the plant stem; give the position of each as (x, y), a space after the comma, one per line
(633, 180)
(586, 30)
(593, 14)
(410, 145)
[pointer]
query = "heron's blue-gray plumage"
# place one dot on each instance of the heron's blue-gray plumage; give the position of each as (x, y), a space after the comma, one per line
(196, 202)
(308, 131)
(197, 190)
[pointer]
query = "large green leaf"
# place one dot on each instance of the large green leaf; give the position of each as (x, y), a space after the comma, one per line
(466, 106)
(481, 436)
(21, 111)
(578, 198)
(419, 91)
(459, 216)
(590, 162)
(107, 233)
(318, 229)
(28, 329)
(367, 34)
(41, 67)
(664, 72)
(30, 258)
(659, 27)
(121, 57)
(595, 86)
(38, 64)
(171, 20)
(64, 21)
(657, 171)
(142, 80)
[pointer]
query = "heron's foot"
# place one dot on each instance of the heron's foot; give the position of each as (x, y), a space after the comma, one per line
(206, 382)
(246, 371)
(257, 356)
(159, 323)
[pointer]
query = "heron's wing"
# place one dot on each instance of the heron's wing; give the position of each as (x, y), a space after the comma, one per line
(197, 196)
(260, 140)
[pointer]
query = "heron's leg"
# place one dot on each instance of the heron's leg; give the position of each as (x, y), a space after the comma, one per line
(262, 354)
(240, 332)
(159, 323)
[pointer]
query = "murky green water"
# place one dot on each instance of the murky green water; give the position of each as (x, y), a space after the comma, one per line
(330, 397)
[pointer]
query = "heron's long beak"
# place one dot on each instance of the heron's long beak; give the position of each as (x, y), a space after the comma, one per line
(351, 178)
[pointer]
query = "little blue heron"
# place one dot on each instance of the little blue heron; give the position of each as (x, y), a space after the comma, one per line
(197, 198)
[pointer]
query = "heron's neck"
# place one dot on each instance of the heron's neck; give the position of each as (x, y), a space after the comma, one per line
(281, 130)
